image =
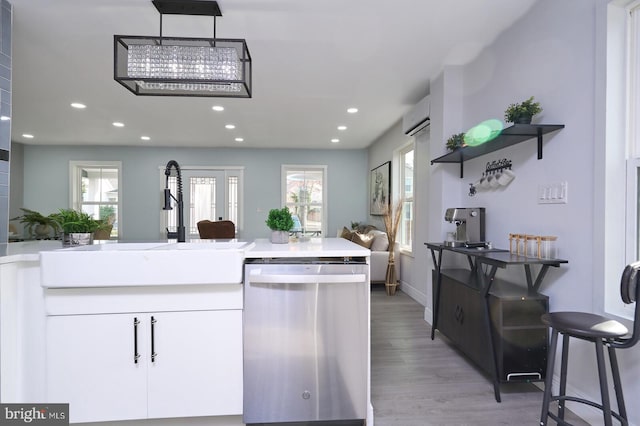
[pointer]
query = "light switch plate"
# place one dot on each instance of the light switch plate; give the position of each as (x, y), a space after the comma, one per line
(554, 193)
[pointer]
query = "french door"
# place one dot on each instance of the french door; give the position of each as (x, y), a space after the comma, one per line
(208, 194)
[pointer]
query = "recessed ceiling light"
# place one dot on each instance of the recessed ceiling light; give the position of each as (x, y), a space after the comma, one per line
(217, 108)
(118, 124)
(342, 127)
(4, 118)
(145, 138)
(334, 140)
(78, 105)
(230, 126)
(239, 139)
(352, 110)
(27, 135)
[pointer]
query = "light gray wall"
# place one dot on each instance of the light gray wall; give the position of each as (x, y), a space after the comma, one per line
(46, 181)
(551, 53)
(555, 53)
(384, 148)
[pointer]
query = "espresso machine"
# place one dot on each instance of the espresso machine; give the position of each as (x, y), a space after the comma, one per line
(469, 227)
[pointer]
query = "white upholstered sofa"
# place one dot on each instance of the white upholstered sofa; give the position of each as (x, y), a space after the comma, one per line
(377, 241)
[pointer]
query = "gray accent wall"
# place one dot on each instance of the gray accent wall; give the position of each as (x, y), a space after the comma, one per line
(5, 110)
(45, 177)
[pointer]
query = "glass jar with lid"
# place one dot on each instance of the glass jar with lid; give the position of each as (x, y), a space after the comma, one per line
(548, 249)
(531, 245)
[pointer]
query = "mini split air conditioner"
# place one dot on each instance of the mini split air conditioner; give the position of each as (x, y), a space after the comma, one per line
(417, 118)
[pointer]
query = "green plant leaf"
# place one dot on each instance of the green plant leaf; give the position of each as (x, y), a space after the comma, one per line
(280, 219)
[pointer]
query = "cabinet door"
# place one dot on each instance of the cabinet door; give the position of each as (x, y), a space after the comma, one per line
(450, 314)
(197, 370)
(90, 365)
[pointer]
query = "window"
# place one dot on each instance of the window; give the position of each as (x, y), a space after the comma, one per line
(621, 170)
(208, 194)
(632, 248)
(405, 230)
(304, 192)
(94, 190)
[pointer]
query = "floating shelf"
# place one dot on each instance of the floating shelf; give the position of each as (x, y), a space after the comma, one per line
(509, 136)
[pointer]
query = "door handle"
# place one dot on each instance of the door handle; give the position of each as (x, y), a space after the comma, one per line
(153, 342)
(136, 355)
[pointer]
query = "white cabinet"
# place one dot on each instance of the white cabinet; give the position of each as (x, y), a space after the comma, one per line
(90, 365)
(103, 365)
(198, 363)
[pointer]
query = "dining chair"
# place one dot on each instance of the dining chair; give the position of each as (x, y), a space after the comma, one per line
(221, 229)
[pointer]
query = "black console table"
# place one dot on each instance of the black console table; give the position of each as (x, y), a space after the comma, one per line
(494, 322)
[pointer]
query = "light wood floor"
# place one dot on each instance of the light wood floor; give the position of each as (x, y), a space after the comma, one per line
(420, 382)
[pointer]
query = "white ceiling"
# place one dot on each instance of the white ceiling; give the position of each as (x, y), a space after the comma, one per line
(311, 61)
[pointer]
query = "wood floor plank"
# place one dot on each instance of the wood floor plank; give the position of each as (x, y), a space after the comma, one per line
(419, 382)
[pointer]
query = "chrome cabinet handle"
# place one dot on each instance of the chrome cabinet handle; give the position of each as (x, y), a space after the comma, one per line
(136, 355)
(153, 343)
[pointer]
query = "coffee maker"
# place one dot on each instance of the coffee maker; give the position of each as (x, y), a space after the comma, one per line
(469, 226)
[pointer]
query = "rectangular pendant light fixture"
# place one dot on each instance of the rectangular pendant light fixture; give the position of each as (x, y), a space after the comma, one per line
(179, 66)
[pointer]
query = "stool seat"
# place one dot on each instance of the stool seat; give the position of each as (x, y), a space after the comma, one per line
(603, 333)
(586, 325)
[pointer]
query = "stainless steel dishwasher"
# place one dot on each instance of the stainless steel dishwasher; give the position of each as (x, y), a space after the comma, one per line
(306, 340)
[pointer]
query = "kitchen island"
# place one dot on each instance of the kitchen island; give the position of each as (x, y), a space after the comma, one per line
(167, 345)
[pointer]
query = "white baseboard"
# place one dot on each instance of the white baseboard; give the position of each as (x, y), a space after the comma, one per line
(413, 293)
(419, 297)
(428, 315)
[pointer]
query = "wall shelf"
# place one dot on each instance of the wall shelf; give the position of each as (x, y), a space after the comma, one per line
(509, 136)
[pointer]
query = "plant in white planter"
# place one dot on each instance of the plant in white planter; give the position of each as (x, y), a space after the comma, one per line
(36, 224)
(77, 227)
(280, 222)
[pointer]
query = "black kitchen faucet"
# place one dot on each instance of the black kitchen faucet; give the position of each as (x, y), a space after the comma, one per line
(180, 234)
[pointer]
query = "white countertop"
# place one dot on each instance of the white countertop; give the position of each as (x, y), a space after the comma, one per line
(26, 250)
(315, 247)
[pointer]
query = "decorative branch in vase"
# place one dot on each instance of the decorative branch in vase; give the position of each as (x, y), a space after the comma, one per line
(391, 217)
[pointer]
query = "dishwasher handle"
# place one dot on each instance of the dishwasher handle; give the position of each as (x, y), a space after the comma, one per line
(307, 278)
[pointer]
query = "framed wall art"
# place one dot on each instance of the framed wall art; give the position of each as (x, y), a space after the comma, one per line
(380, 189)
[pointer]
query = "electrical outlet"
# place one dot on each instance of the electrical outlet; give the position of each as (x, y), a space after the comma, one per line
(554, 193)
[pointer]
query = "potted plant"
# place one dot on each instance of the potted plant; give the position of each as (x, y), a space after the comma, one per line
(280, 222)
(38, 225)
(522, 113)
(455, 141)
(77, 227)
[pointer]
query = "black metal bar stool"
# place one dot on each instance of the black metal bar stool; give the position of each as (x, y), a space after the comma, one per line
(602, 331)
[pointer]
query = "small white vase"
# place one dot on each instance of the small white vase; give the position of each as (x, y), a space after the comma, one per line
(279, 237)
(42, 231)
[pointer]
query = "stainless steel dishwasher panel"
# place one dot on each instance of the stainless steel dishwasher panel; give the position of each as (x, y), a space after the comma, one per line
(306, 342)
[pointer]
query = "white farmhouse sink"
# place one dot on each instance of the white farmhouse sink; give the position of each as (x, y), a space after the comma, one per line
(144, 264)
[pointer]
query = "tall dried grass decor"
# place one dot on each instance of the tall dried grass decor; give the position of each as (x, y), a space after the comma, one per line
(391, 221)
